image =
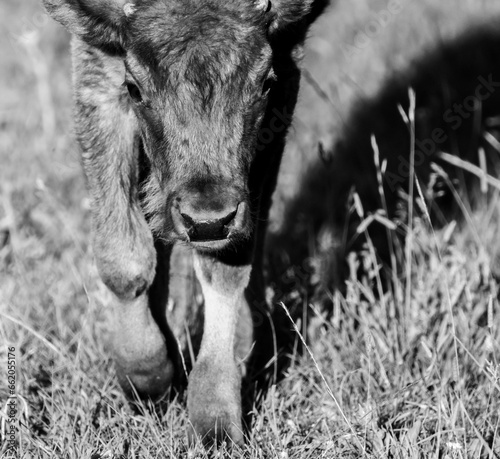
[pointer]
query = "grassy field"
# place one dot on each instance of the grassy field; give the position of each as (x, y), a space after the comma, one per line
(398, 365)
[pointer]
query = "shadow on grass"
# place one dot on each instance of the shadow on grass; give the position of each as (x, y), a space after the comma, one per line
(457, 87)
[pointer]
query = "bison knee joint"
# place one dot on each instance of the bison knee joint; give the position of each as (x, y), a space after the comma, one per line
(126, 288)
(126, 280)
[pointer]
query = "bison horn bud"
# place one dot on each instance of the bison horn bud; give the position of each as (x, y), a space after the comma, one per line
(129, 9)
(264, 5)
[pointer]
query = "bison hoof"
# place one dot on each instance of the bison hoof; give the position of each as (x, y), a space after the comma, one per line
(214, 404)
(215, 431)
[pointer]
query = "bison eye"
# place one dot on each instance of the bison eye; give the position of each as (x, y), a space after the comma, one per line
(134, 92)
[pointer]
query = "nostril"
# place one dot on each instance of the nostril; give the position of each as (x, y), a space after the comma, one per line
(196, 220)
(188, 221)
(200, 229)
(179, 223)
(239, 219)
(228, 218)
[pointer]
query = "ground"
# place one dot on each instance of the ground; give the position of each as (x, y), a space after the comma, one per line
(400, 366)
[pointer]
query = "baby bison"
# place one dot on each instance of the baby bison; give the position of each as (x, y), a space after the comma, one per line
(182, 109)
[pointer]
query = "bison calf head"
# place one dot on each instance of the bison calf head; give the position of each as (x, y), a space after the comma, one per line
(212, 84)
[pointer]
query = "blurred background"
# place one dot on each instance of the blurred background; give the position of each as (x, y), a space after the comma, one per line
(363, 62)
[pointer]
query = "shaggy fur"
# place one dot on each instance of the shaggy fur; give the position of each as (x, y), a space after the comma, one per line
(185, 104)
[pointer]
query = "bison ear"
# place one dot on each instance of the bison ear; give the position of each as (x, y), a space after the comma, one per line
(290, 12)
(99, 23)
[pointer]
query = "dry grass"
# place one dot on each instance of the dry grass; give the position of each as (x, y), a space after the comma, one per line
(408, 371)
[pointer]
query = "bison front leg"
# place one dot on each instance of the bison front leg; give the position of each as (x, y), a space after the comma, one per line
(214, 389)
(123, 244)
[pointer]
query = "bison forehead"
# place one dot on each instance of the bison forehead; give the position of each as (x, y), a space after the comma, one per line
(203, 48)
(169, 33)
